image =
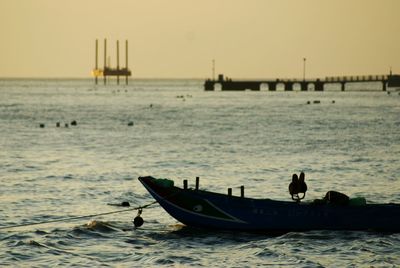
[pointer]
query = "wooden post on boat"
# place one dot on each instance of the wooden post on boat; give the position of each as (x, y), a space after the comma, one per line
(242, 191)
(185, 184)
(229, 191)
(197, 183)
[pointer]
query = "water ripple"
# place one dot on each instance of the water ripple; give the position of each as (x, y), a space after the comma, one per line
(258, 140)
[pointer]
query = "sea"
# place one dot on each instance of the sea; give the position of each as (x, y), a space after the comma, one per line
(65, 176)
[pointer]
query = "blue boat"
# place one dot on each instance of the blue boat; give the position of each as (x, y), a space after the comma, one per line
(204, 209)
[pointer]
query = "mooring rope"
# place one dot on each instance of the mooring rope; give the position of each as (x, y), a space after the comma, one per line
(77, 217)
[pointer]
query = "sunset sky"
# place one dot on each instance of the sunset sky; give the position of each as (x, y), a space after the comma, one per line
(179, 38)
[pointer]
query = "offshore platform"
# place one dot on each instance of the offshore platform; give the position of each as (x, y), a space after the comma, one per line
(107, 69)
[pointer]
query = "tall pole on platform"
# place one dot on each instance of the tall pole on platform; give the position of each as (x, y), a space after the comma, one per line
(126, 61)
(304, 69)
(105, 61)
(96, 67)
(117, 62)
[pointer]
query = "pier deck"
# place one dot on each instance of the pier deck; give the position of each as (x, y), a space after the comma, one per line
(288, 84)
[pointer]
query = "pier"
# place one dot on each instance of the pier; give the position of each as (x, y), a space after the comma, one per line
(109, 71)
(318, 84)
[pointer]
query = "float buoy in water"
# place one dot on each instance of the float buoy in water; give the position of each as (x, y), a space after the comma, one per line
(125, 204)
(138, 221)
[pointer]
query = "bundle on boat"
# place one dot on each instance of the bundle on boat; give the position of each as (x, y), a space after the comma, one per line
(341, 199)
(163, 182)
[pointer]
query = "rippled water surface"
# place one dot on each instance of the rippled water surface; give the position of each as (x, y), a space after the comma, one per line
(350, 142)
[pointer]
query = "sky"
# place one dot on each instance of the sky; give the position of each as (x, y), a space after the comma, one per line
(181, 38)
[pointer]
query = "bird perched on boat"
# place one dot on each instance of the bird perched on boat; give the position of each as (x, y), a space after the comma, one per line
(302, 185)
(294, 188)
(298, 186)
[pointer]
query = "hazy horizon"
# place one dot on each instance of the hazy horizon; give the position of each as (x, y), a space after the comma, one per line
(179, 39)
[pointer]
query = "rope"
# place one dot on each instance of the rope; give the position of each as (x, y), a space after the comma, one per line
(76, 217)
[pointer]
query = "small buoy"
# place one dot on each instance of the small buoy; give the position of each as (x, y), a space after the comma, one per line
(58, 124)
(130, 123)
(308, 102)
(74, 123)
(138, 221)
(125, 204)
(333, 101)
(42, 125)
(122, 204)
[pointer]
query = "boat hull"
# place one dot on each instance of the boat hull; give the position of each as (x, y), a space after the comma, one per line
(210, 210)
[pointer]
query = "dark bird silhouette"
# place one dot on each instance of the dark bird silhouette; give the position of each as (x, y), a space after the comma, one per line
(294, 188)
(302, 185)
